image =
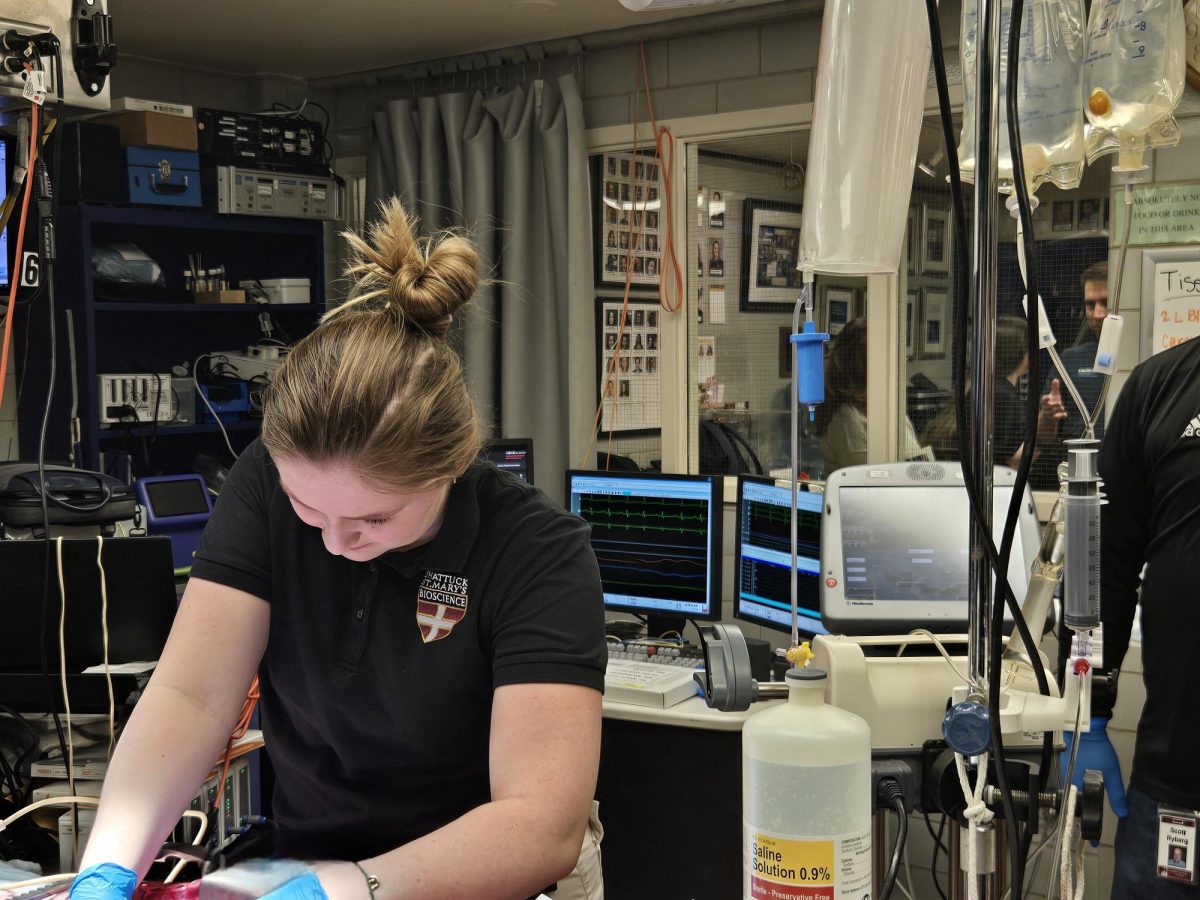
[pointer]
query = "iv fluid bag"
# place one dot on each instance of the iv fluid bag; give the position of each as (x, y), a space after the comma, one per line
(1049, 80)
(869, 99)
(1133, 77)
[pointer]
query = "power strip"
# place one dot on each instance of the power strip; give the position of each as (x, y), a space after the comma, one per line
(146, 396)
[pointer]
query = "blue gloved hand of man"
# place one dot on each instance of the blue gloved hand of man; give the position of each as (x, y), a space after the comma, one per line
(105, 881)
(1096, 752)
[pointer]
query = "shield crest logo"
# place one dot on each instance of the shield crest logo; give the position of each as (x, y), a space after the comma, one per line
(442, 602)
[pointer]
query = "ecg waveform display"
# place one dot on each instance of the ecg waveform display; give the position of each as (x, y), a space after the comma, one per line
(652, 550)
(768, 525)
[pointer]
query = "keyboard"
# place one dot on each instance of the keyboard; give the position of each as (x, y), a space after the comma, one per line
(681, 657)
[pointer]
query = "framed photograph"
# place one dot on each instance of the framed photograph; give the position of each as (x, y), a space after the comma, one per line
(628, 243)
(912, 241)
(714, 265)
(935, 241)
(934, 324)
(770, 254)
(911, 305)
(836, 307)
(628, 371)
(1088, 214)
(716, 210)
(1062, 216)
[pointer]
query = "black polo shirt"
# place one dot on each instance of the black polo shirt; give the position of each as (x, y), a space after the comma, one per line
(377, 679)
(1150, 463)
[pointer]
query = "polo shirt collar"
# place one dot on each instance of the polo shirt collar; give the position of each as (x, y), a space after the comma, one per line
(451, 546)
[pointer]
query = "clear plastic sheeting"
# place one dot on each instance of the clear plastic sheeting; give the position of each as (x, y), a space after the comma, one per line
(1049, 73)
(869, 98)
(1133, 78)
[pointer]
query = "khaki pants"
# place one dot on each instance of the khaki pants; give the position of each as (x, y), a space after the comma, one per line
(586, 881)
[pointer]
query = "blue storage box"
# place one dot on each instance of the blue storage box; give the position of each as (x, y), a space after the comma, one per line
(230, 400)
(163, 177)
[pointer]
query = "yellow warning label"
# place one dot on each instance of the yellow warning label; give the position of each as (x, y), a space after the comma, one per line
(793, 862)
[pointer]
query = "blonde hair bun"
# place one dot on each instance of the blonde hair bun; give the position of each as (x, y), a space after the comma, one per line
(422, 280)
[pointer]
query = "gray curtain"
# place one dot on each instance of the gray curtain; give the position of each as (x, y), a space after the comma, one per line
(512, 170)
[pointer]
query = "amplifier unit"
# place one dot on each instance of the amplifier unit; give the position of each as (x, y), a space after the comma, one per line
(260, 141)
(251, 192)
(145, 396)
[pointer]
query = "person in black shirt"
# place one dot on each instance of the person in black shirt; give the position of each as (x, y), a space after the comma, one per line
(1012, 358)
(1008, 424)
(427, 631)
(1150, 463)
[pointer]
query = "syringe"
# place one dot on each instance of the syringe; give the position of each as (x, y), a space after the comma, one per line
(1084, 498)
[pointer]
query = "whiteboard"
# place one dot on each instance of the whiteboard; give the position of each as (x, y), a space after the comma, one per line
(1170, 298)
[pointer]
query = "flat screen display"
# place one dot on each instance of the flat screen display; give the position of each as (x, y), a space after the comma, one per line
(895, 546)
(177, 498)
(911, 544)
(512, 455)
(657, 540)
(763, 556)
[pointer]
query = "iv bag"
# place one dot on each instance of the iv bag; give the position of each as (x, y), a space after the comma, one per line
(1133, 78)
(1049, 79)
(869, 98)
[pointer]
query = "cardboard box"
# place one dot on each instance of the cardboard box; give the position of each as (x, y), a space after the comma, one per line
(226, 296)
(154, 129)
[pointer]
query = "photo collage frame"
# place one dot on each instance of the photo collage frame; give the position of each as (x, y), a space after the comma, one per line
(630, 371)
(630, 227)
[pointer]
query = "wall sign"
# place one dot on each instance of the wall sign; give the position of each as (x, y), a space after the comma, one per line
(1171, 297)
(1162, 214)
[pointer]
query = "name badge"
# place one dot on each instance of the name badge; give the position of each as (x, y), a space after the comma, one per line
(1177, 844)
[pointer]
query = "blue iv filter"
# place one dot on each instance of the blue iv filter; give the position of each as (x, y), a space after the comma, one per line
(809, 348)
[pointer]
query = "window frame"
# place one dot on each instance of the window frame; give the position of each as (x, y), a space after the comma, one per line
(884, 292)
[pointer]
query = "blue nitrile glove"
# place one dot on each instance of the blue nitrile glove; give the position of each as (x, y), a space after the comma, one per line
(105, 881)
(1096, 752)
(306, 887)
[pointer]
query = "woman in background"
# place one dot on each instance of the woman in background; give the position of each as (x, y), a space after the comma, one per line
(842, 418)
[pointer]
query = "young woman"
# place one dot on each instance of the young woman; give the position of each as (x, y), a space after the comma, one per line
(842, 418)
(427, 631)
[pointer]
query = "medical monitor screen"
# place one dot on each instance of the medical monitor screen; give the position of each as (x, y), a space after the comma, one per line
(896, 552)
(512, 455)
(184, 497)
(657, 540)
(763, 556)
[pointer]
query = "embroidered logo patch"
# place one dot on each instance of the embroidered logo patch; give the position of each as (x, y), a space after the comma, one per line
(441, 604)
(1193, 428)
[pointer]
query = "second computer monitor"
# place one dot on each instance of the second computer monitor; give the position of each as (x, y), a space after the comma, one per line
(657, 540)
(763, 556)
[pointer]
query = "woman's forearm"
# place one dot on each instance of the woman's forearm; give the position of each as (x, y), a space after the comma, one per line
(165, 752)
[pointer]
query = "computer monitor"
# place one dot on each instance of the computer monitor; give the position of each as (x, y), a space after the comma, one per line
(894, 547)
(657, 539)
(512, 455)
(762, 556)
(140, 584)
